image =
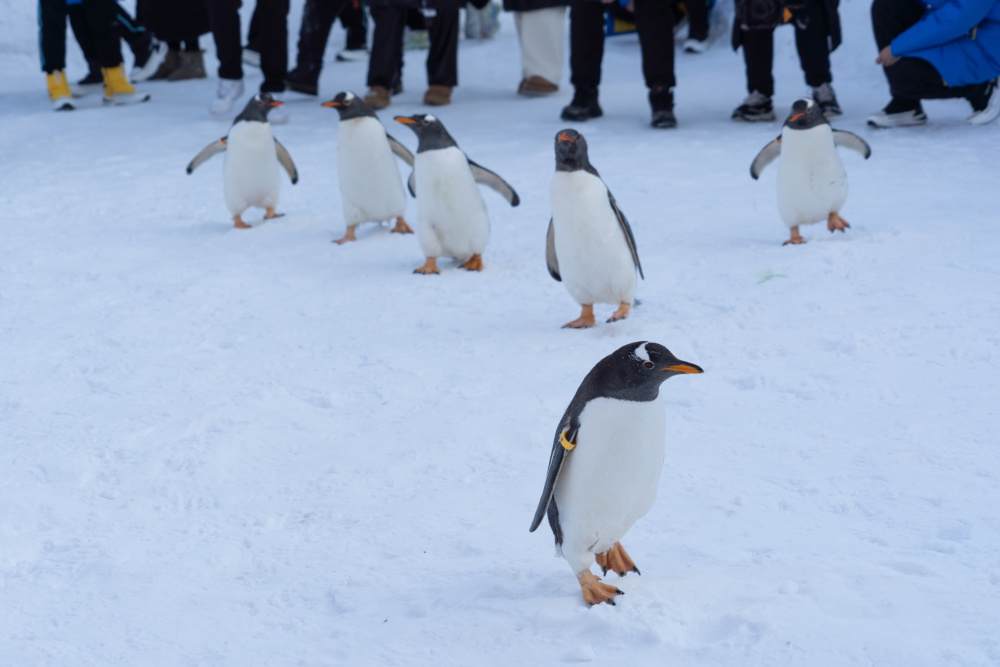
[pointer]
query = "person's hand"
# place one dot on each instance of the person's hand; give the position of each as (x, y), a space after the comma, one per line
(885, 57)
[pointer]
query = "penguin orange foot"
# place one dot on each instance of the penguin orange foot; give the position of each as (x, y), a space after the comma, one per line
(796, 238)
(347, 237)
(474, 263)
(621, 313)
(617, 560)
(401, 227)
(239, 224)
(269, 214)
(596, 591)
(585, 321)
(835, 222)
(429, 267)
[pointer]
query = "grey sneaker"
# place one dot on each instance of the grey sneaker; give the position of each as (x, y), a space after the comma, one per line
(827, 101)
(755, 108)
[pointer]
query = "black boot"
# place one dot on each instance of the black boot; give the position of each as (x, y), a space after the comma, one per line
(303, 79)
(584, 105)
(661, 99)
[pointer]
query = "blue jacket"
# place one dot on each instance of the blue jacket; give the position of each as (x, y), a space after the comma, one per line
(961, 38)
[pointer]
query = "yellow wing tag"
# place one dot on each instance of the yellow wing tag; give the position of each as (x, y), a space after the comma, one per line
(567, 445)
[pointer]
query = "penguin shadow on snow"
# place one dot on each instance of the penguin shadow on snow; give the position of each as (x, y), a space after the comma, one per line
(250, 173)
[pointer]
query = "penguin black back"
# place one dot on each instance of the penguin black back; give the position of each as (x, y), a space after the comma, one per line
(571, 152)
(805, 114)
(257, 108)
(430, 132)
(349, 105)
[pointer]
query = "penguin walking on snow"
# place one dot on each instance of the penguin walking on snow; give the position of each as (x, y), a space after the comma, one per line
(250, 172)
(589, 246)
(370, 187)
(812, 183)
(453, 218)
(606, 460)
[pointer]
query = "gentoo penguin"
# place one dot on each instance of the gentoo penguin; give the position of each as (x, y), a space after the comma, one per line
(606, 461)
(453, 219)
(812, 183)
(589, 246)
(370, 187)
(250, 172)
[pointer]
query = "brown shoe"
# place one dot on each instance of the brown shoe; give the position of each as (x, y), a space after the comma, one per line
(377, 97)
(438, 96)
(536, 86)
(169, 64)
(192, 67)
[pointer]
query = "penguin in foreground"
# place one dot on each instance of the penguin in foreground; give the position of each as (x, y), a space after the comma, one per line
(250, 172)
(370, 187)
(589, 246)
(453, 218)
(606, 460)
(812, 183)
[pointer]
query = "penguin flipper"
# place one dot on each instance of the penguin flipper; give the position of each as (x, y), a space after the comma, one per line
(766, 156)
(411, 184)
(492, 180)
(550, 253)
(559, 451)
(401, 151)
(207, 152)
(853, 142)
(627, 230)
(286, 161)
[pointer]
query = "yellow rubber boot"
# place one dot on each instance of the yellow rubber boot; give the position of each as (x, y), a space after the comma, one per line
(59, 92)
(117, 89)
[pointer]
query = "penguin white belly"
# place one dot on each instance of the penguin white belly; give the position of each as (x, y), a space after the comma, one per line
(370, 186)
(812, 182)
(610, 479)
(595, 263)
(453, 218)
(250, 173)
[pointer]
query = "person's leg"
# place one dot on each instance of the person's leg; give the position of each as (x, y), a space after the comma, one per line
(758, 56)
(697, 11)
(542, 34)
(891, 17)
(354, 21)
(387, 53)
(442, 58)
(586, 44)
(273, 44)
(224, 19)
(811, 43)
(655, 25)
(317, 20)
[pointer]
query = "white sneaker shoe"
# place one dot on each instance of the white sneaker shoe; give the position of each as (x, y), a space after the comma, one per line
(884, 118)
(278, 115)
(992, 110)
(228, 92)
(157, 54)
(695, 45)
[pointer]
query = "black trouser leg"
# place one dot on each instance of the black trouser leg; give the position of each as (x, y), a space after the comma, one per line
(52, 34)
(353, 19)
(442, 59)
(255, 33)
(317, 20)
(103, 26)
(387, 46)
(697, 11)
(84, 36)
(891, 17)
(224, 18)
(130, 30)
(586, 44)
(654, 21)
(811, 43)
(758, 54)
(274, 43)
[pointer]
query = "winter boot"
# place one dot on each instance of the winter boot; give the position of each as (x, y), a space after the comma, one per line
(167, 67)
(118, 90)
(438, 96)
(191, 66)
(827, 101)
(377, 97)
(584, 105)
(59, 92)
(661, 99)
(303, 79)
(755, 108)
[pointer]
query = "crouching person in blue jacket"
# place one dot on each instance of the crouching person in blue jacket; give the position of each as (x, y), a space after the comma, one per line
(934, 49)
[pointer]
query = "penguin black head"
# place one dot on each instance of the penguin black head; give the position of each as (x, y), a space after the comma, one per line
(634, 372)
(429, 130)
(805, 114)
(349, 106)
(571, 152)
(257, 108)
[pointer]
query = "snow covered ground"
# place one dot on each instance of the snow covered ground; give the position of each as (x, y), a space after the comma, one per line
(224, 447)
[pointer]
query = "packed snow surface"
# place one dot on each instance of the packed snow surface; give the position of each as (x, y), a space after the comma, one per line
(254, 447)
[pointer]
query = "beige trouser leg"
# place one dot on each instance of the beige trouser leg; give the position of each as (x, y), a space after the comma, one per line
(542, 33)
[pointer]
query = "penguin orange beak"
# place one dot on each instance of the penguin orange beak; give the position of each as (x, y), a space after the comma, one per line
(275, 103)
(405, 120)
(796, 116)
(566, 137)
(683, 368)
(332, 103)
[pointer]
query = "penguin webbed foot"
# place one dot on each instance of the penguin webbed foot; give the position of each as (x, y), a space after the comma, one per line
(429, 267)
(620, 314)
(239, 224)
(596, 591)
(270, 214)
(585, 321)
(796, 238)
(347, 237)
(474, 263)
(835, 222)
(617, 560)
(401, 227)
